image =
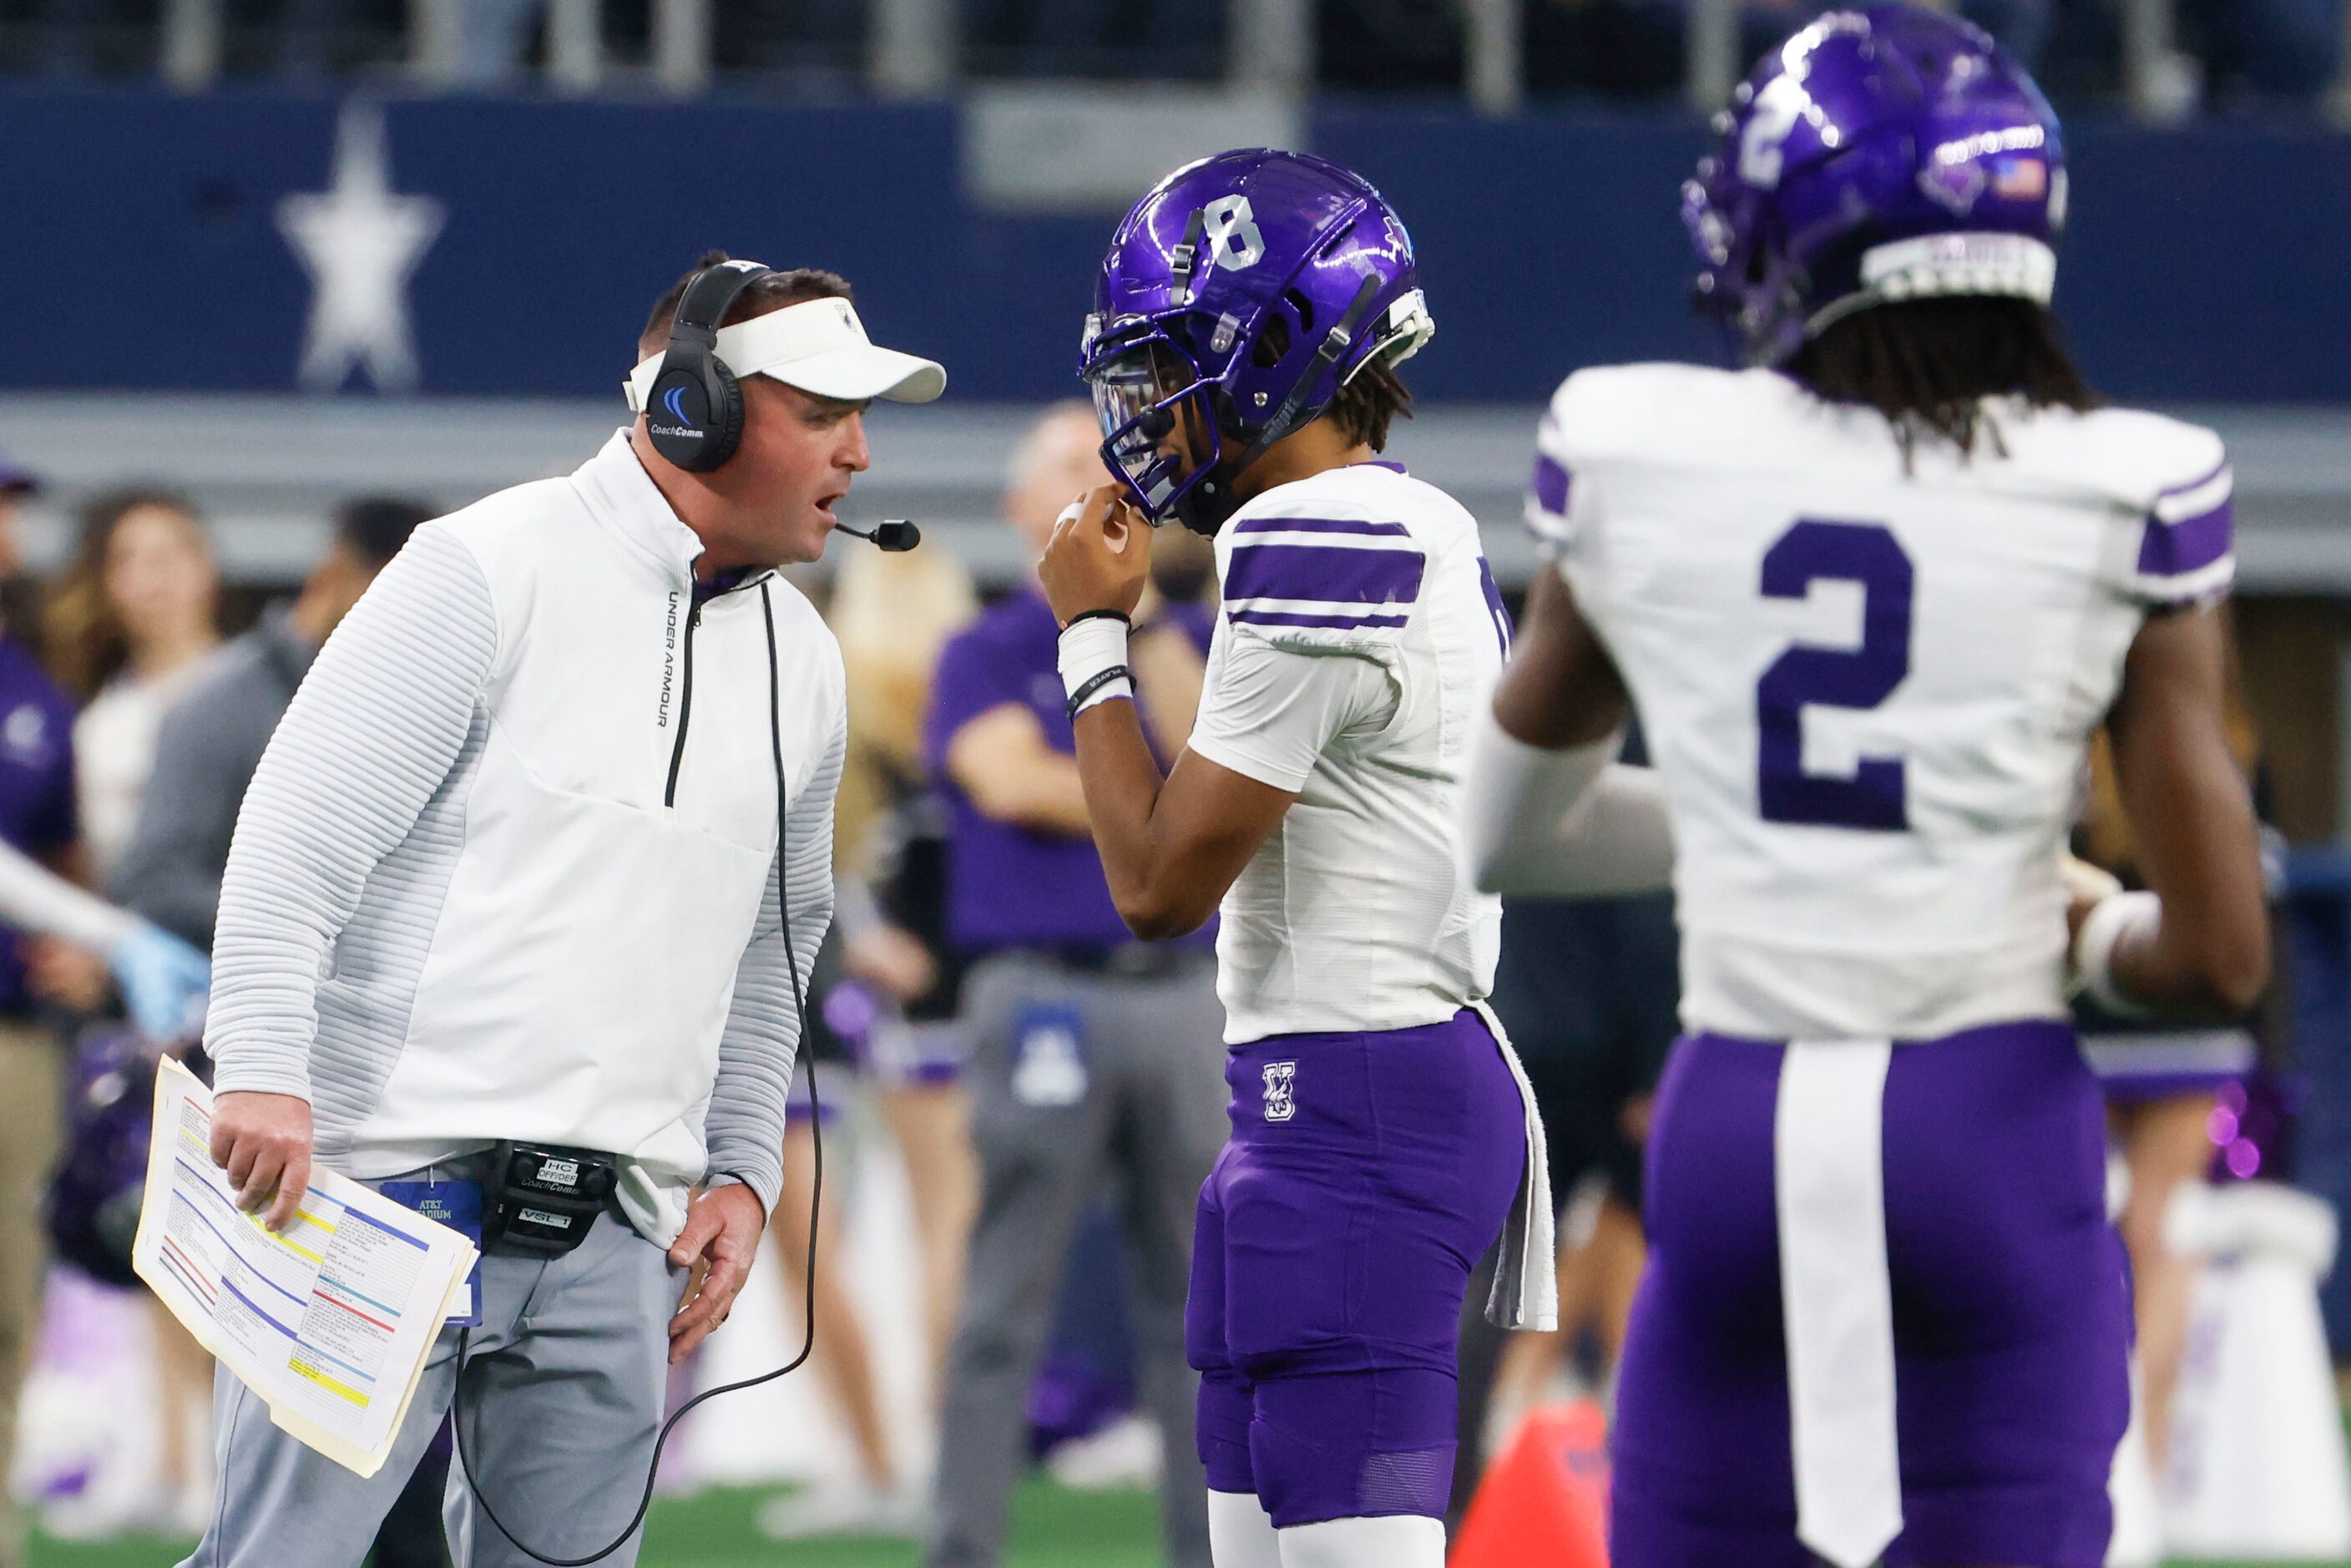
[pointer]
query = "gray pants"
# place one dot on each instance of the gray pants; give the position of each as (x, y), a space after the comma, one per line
(562, 1397)
(1080, 1084)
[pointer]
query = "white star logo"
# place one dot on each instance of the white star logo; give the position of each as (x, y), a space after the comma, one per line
(359, 244)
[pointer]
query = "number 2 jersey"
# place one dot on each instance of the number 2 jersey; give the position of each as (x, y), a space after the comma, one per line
(1866, 678)
(1360, 631)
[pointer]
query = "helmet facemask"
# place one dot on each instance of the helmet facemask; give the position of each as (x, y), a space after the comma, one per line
(1238, 297)
(1161, 436)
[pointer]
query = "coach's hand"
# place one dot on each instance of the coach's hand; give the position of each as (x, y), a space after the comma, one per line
(1099, 557)
(262, 1141)
(722, 1232)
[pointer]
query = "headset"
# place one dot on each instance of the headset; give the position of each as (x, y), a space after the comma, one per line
(694, 414)
(694, 411)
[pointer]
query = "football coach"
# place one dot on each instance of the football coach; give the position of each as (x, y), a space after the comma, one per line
(511, 921)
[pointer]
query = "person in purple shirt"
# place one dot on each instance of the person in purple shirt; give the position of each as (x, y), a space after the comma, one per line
(1094, 1058)
(36, 817)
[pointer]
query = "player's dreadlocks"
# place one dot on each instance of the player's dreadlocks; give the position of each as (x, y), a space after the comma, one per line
(1925, 363)
(1367, 405)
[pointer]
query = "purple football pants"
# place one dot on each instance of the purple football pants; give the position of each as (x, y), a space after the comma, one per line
(1366, 1175)
(2011, 1312)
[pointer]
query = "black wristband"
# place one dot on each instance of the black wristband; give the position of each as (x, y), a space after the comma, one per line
(1118, 615)
(1115, 672)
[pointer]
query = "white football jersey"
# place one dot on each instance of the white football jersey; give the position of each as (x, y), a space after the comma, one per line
(1359, 630)
(1867, 680)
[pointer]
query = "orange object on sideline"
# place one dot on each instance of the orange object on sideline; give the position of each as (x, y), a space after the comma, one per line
(1544, 1503)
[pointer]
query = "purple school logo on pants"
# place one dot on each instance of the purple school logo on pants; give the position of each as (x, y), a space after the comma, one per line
(1279, 1078)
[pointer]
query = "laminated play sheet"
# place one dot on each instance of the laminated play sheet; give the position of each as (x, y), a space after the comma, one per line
(329, 1322)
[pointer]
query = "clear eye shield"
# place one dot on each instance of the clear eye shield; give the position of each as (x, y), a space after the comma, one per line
(818, 346)
(1139, 382)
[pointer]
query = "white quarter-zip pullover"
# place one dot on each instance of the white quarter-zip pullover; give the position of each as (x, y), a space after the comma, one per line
(508, 869)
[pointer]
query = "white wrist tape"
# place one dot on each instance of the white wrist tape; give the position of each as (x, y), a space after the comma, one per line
(1089, 648)
(2110, 920)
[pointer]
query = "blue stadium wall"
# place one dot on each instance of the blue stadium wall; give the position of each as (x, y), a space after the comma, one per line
(142, 249)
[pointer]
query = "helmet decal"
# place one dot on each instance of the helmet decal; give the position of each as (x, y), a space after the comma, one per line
(1239, 296)
(1867, 133)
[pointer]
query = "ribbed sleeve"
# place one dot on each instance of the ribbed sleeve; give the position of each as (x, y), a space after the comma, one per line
(744, 1127)
(371, 735)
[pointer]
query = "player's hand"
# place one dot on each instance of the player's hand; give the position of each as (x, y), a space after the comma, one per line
(2086, 887)
(71, 977)
(890, 957)
(262, 1141)
(722, 1226)
(1099, 557)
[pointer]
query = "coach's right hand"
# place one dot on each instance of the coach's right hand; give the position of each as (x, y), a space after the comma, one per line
(262, 1141)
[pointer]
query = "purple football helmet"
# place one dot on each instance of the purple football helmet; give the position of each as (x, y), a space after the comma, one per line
(95, 1192)
(1879, 154)
(1238, 298)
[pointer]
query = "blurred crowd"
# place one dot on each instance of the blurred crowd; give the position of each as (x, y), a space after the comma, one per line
(2226, 54)
(1051, 1087)
(134, 720)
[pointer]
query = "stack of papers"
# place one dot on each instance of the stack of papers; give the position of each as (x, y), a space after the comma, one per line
(331, 1322)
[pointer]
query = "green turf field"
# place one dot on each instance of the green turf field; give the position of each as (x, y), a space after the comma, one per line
(1051, 1528)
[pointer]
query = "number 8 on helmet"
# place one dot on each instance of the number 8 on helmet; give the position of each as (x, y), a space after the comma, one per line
(1239, 294)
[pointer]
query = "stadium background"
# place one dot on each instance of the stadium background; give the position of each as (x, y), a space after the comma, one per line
(274, 253)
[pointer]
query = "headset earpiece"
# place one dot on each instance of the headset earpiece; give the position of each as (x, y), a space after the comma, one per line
(695, 413)
(727, 423)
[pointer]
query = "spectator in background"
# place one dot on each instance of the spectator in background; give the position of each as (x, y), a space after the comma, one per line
(893, 614)
(210, 741)
(126, 630)
(205, 750)
(888, 989)
(37, 816)
(1095, 1059)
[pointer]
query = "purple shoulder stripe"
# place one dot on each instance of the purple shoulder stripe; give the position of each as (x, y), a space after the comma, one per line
(1337, 623)
(1549, 485)
(1319, 526)
(2197, 483)
(1329, 574)
(2191, 543)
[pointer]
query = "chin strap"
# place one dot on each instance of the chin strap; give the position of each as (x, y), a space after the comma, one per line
(1187, 253)
(1208, 504)
(1336, 344)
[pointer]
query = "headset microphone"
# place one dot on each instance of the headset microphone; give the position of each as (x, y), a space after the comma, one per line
(897, 534)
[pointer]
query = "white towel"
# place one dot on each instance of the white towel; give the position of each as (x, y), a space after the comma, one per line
(1526, 1280)
(1828, 1139)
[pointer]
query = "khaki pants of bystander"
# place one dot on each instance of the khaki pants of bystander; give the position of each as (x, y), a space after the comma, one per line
(32, 1090)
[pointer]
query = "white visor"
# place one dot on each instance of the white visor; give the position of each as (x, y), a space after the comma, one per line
(818, 346)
